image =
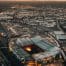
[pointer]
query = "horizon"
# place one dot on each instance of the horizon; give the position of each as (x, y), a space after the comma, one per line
(35, 0)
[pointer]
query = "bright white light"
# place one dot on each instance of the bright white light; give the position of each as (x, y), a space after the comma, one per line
(28, 49)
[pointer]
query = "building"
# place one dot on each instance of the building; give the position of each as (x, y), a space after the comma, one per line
(33, 49)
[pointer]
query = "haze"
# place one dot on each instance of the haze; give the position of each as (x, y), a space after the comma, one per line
(32, 0)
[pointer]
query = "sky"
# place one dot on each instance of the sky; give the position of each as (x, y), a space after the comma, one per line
(32, 0)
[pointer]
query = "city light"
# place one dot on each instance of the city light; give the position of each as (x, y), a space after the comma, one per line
(32, 33)
(28, 49)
